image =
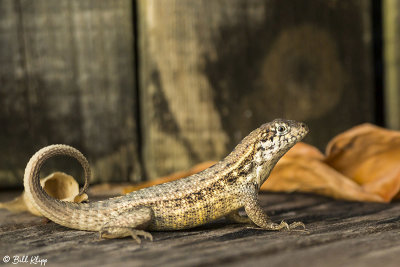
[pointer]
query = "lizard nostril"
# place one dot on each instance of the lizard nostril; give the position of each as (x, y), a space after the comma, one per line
(304, 126)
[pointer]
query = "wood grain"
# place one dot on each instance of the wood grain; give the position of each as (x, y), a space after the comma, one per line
(338, 234)
(210, 72)
(391, 39)
(67, 76)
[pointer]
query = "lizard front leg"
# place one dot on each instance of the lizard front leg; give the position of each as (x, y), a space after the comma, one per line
(260, 218)
(128, 223)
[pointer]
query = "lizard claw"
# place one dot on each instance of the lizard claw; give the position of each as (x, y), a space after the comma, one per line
(136, 233)
(283, 225)
(272, 226)
(296, 225)
(120, 232)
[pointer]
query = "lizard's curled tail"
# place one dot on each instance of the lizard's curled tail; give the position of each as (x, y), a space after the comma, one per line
(55, 210)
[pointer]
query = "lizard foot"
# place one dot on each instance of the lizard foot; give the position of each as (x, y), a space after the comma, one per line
(120, 232)
(283, 225)
(272, 226)
(136, 233)
(277, 227)
(296, 225)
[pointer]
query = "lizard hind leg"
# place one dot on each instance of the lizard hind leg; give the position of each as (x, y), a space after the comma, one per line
(129, 223)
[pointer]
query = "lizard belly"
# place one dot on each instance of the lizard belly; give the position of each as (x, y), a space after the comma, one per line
(185, 213)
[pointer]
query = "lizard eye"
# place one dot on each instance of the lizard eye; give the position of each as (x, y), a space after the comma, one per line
(281, 129)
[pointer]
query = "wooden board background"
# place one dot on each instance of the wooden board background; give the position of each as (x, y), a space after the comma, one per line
(146, 88)
(212, 71)
(391, 40)
(66, 77)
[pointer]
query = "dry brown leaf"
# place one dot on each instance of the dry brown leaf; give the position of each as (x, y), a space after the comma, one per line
(15, 205)
(305, 150)
(107, 190)
(58, 185)
(370, 156)
(348, 150)
(302, 170)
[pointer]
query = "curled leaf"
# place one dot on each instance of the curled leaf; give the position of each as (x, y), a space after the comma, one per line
(303, 170)
(58, 185)
(370, 156)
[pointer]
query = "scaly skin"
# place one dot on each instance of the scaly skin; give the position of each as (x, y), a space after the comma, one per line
(218, 191)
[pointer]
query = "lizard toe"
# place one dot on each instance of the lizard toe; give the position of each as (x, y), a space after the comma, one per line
(134, 233)
(297, 225)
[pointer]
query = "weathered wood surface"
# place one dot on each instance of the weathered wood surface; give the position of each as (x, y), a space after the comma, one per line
(209, 73)
(338, 234)
(391, 40)
(67, 76)
(212, 71)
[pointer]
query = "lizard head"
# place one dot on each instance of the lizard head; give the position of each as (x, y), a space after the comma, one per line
(258, 152)
(278, 136)
(274, 139)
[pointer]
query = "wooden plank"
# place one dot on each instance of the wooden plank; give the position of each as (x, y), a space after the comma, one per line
(212, 71)
(391, 39)
(67, 76)
(338, 233)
